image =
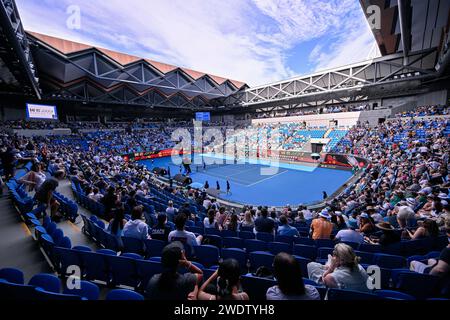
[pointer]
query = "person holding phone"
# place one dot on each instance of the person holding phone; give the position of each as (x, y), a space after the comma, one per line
(170, 284)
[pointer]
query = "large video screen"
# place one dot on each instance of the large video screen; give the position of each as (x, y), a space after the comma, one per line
(41, 112)
(202, 116)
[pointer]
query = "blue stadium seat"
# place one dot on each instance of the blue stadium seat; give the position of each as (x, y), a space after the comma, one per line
(421, 286)
(277, 247)
(255, 287)
(233, 242)
(305, 251)
(229, 233)
(42, 294)
(213, 240)
(207, 255)
(303, 264)
(123, 294)
(304, 241)
(87, 290)
(237, 254)
(366, 257)
(153, 247)
(16, 292)
(48, 282)
(132, 245)
(246, 235)
(264, 236)
(285, 239)
(364, 247)
(95, 266)
(64, 258)
(350, 295)
(259, 259)
(388, 261)
(123, 271)
(146, 270)
(12, 275)
(393, 295)
(255, 245)
(324, 243)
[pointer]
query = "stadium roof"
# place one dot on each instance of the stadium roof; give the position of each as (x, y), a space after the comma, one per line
(409, 25)
(68, 47)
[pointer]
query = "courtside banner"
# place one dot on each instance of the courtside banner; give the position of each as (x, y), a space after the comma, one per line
(149, 155)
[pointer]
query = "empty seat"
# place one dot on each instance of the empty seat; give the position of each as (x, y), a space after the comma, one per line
(255, 245)
(207, 255)
(12, 275)
(306, 251)
(277, 247)
(260, 259)
(237, 254)
(123, 271)
(304, 241)
(393, 295)
(421, 286)
(132, 245)
(350, 295)
(87, 290)
(123, 294)
(213, 240)
(233, 242)
(388, 261)
(246, 235)
(154, 248)
(48, 282)
(264, 236)
(42, 294)
(255, 287)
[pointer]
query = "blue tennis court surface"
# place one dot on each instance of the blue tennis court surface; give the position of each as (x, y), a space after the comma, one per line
(259, 182)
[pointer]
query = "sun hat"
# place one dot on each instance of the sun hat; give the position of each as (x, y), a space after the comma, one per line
(324, 214)
(364, 215)
(411, 202)
(385, 226)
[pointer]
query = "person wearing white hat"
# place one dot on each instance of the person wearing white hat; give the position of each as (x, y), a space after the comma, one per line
(406, 212)
(321, 227)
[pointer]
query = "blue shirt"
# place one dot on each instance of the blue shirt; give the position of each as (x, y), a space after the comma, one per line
(287, 230)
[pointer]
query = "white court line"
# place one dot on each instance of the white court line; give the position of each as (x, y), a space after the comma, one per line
(276, 175)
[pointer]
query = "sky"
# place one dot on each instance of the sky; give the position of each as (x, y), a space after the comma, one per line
(254, 41)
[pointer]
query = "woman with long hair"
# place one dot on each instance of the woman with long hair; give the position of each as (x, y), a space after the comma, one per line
(429, 228)
(210, 221)
(228, 283)
(115, 226)
(290, 284)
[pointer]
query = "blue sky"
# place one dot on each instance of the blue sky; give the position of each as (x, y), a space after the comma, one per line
(255, 41)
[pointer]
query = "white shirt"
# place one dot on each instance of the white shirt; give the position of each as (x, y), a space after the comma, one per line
(136, 229)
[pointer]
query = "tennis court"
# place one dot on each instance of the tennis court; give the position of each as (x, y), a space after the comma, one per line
(262, 182)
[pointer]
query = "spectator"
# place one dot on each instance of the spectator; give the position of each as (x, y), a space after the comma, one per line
(171, 285)
(228, 277)
(428, 229)
(44, 195)
(182, 235)
(233, 224)
(34, 178)
(136, 227)
(248, 220)
(116, 226)
(389, 236)
(321, 227)
(440, 267)
(210, 221)
(342, 270)
(285, 229)
(161, 230)
(349, 235)
(290, 284)
(263, 223)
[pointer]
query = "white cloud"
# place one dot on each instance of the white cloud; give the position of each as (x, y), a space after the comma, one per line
(242, 40)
